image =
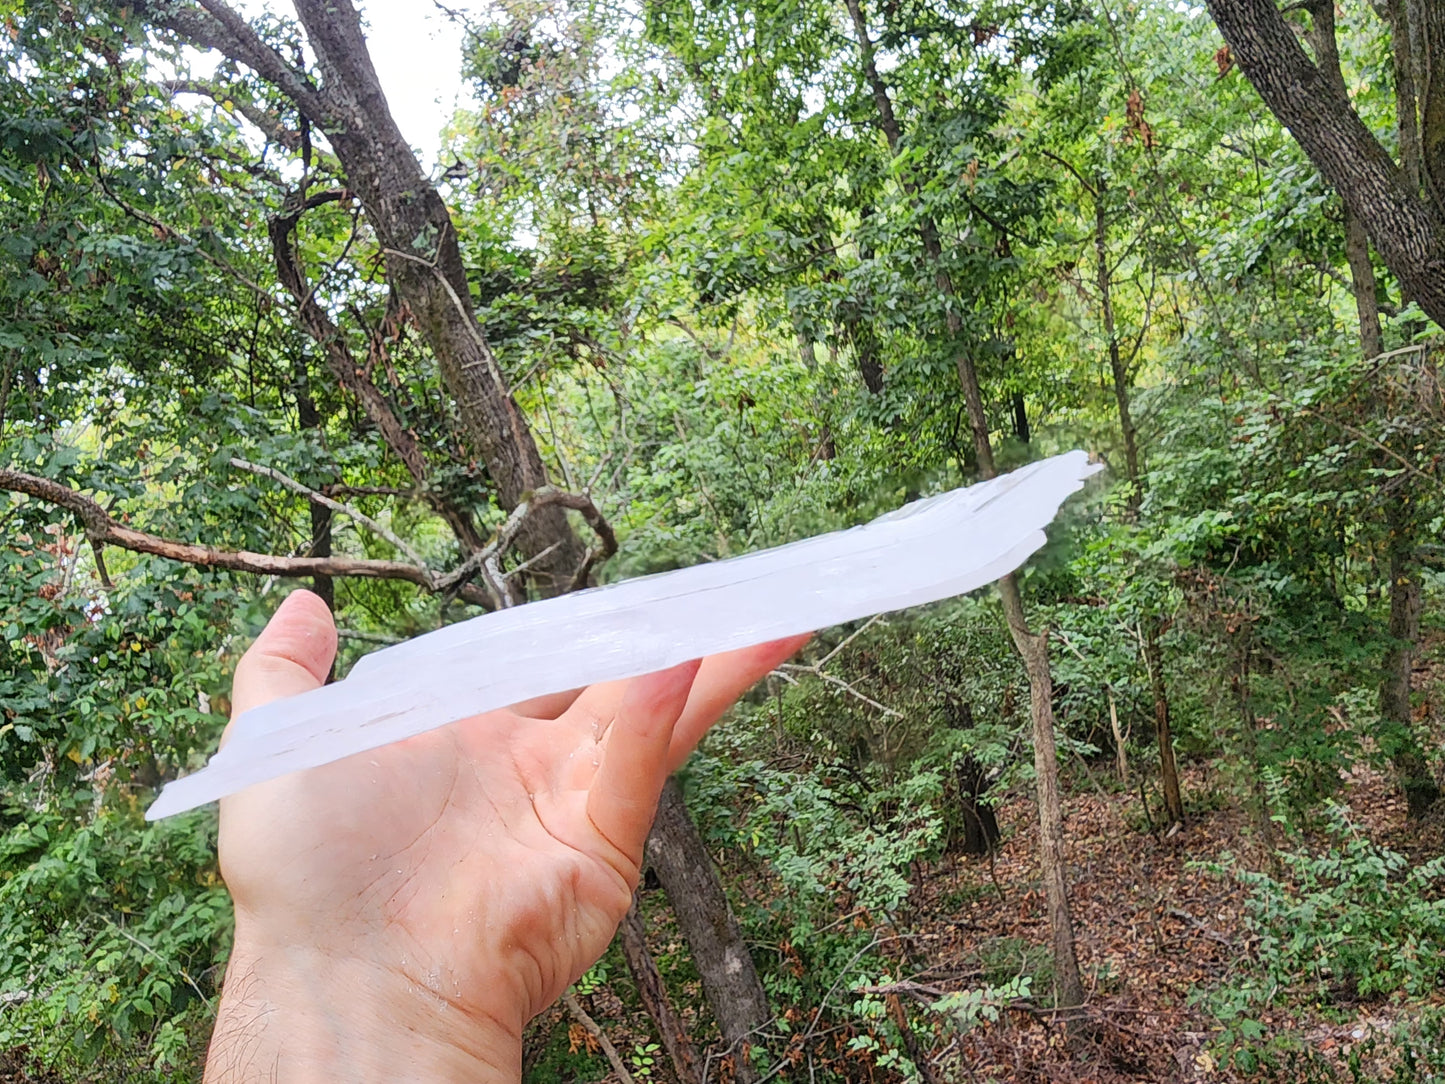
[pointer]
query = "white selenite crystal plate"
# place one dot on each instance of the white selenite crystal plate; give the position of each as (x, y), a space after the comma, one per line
(928, 550)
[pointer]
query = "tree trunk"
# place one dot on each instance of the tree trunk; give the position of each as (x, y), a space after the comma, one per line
(415, 231)
(1427, 30)
(729, 978)
(310, 418)
(1068, 987)
(1120, 372)
(860, 331)
(1153, 655)
(650, 988)
(1021, 418)
(1242, 685)
(1408, 231)
(980, 824)
(1163, 734)
(1321, 38)
(1034, 649)
(1362, 286)
(1407, 116)
(424, 264)
(345, 369)
(1416, 781)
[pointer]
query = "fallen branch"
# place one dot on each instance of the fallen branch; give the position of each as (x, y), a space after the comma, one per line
(912, 989)
(590, 1026)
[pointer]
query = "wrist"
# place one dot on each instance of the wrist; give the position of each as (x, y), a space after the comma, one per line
(292, 1014)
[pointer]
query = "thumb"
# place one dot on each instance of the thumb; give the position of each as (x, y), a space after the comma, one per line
(292, 655)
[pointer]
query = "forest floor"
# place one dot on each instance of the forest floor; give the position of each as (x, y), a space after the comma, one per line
(1153, 930)
(1156, 930)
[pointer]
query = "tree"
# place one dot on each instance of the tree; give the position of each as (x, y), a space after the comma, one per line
(1032, 647)
(1402, 209)
(1403, 212)
(416, 236)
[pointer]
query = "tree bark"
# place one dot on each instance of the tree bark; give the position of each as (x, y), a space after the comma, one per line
(1408, 230)
(1407, 116)
(654, 997)
(1417, 783)
(1163, 731)
(1321, 38)
(415, 231)
(1033, 649)
(1120, 372)
(729, 978)
(1427, 31)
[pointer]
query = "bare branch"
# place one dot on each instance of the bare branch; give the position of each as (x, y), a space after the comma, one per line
(103, 530)
(542, 497)
(336, 506)
(214, 25)
(268, 124)
(590, 1026)
(788, 669)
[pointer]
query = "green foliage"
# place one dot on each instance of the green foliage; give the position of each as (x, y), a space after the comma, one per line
(1346, 922)
(706, 275)
(115, 931)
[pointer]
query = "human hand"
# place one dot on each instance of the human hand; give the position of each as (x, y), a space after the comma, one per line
(401, 914)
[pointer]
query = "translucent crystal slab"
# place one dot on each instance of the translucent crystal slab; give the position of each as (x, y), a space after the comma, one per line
(928, 550)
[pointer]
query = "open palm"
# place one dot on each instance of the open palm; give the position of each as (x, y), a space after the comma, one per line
(486, 864)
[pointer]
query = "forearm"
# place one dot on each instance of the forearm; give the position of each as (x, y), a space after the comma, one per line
(291, 1015)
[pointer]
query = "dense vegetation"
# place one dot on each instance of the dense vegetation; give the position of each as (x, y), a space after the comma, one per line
(705, 278)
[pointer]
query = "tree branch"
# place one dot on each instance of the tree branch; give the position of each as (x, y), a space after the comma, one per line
(591, 1027)
(268, 124)
(1408, 233)
(336, 506)
(214, 25)
(103, 530)
(347, 372)
(544, 497)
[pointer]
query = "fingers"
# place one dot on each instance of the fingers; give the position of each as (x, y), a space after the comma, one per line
(292, 655)
(623, 797)
(722, 679)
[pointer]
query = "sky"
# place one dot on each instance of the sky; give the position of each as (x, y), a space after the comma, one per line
(417, 53)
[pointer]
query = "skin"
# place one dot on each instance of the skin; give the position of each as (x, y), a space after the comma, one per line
(401, 914)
